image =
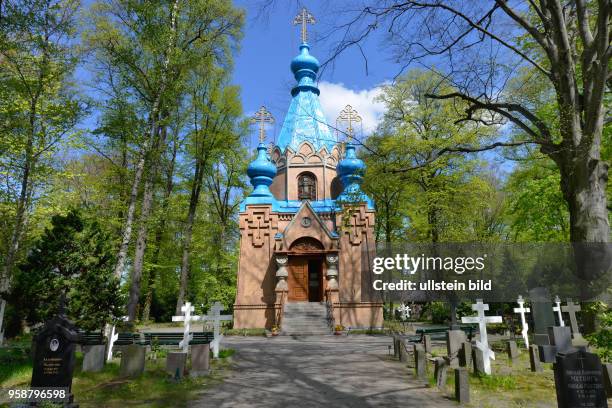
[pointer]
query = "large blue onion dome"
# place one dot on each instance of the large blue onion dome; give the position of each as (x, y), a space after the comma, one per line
(261, 171)
(304, 63)
(305, 68)
(350, 170)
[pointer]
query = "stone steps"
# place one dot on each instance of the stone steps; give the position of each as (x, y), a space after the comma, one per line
(305, 318)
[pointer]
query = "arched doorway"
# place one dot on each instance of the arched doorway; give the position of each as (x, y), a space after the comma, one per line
(306, 265)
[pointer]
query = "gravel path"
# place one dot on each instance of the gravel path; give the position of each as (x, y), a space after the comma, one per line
(331, 371)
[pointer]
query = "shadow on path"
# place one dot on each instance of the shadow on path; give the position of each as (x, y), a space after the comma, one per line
(347, 371)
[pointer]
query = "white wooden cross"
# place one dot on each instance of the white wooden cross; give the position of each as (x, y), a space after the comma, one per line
(112, 338)
(214, 315)
(186, 318)
(404, 311)
(522, 310)
(482, 320)
(558, 310)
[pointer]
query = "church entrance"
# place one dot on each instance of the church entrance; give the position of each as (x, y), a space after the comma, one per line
(305, 279)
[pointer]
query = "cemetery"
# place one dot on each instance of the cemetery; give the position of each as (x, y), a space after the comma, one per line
(238, 204)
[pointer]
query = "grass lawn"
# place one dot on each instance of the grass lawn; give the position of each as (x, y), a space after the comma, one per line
(105, 389)
(512, 385)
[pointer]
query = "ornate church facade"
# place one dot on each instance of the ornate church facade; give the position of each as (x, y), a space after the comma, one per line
(306, 230)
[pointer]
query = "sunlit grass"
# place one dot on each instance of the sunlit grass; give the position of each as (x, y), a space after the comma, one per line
(155, 388)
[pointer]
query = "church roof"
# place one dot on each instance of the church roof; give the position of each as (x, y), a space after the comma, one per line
(305, 120)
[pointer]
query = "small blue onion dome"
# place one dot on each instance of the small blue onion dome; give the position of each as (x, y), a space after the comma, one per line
(304, 64)
(350, 170)
(351, 165)
(261, 171)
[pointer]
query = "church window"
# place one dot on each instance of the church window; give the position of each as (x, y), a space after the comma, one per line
(307, 187)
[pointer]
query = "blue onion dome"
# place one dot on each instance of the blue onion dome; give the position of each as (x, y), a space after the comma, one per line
(304, 64)
(351, 164)
(261, 171)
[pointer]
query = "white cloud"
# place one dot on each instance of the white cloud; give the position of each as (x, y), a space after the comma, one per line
(335, 96)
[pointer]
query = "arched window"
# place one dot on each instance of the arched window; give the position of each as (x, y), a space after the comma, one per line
(307, 187)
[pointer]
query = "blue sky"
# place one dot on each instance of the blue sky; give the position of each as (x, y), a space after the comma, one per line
(271, 41)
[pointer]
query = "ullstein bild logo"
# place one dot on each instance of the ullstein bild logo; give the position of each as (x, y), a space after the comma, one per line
(409, 265)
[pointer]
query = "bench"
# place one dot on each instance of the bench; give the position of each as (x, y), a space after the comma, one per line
(173, 339)
(86, 338)
(439, 333)
(162, 338)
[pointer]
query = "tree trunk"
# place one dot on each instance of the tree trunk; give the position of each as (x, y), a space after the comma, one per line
(128, 225)
(161, 227)
(584, 188)
(145, 212)
(126, 236)
(187, 234)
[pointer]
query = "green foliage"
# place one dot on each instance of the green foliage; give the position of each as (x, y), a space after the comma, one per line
(421, 195)
(439, 311)
(601, 339)
(72, 257)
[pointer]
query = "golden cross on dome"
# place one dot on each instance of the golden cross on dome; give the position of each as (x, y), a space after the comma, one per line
(304, 18)
(262, 116)
(350, 116)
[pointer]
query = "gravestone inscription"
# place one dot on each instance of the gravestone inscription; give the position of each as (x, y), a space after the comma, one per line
(54, 355)
(579, 380)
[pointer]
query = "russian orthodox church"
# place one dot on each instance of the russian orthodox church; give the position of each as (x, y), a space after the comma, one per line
(306, 230)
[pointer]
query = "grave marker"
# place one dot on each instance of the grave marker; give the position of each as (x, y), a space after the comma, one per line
(579, 380)
(440, 373)
(200, 360)
(112, 338)
(534, 359)
(404, 311)
(524, 326)
(462, 385)
(454, 340)
(176, 362)
(54, 355)
(186, 318)
(216, 317)
(571, 308)
(557, 308)
(93, 358)
(132, 361)
(427, 343)
(560, 339)
(542, 313)
(482, 320)
(512, 350)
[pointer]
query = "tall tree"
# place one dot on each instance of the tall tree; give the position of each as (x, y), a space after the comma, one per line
(436, 199)
(38, 107)
(482, 45)
(216, 111)
(153, 46)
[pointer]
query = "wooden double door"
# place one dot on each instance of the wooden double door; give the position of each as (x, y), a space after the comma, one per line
(305, 279)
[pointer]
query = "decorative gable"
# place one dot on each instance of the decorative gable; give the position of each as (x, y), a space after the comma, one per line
(307, 224)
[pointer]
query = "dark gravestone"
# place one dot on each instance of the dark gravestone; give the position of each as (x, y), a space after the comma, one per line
(427, 343)
(465, 354)
(54, 355)
(579, 380)
(420, 361)
(607, 371)
(462, 385)
(440, 372)
(512, 350)
(543, 317)
(534, 359)
(560, 339)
